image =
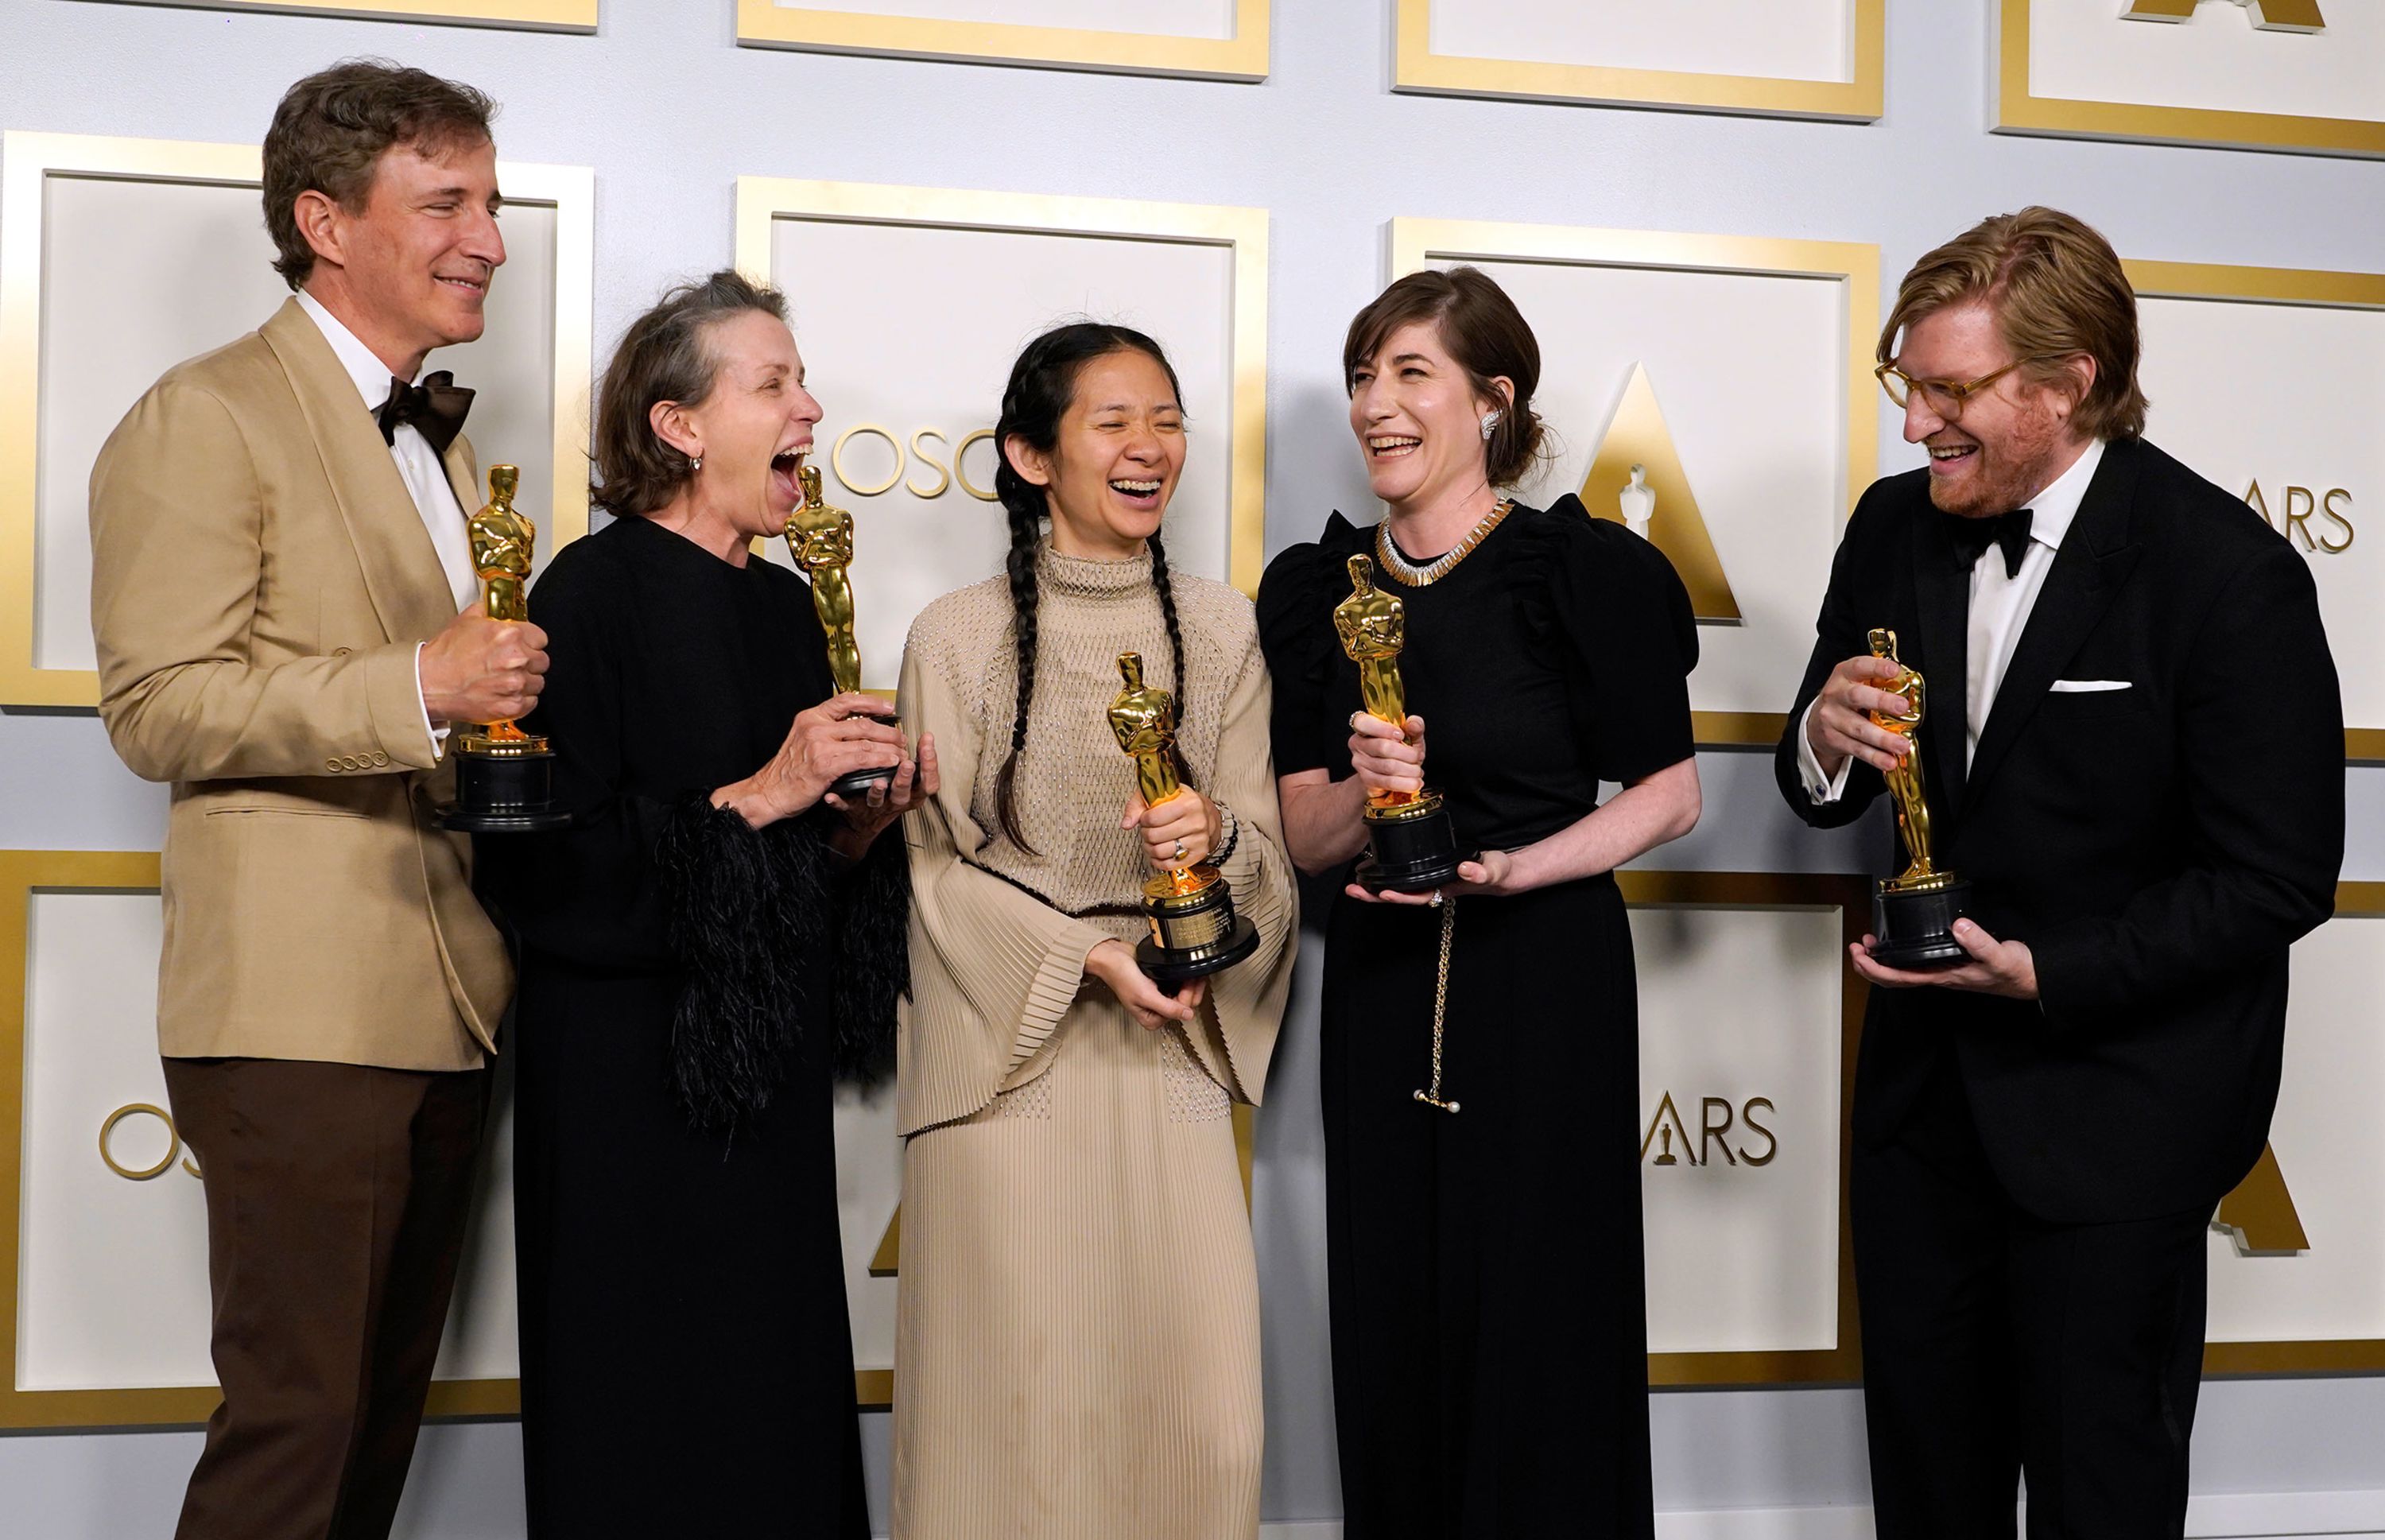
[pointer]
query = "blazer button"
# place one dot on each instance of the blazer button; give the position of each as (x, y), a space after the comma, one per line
(331, 765)
(342, 652)
(380, 759)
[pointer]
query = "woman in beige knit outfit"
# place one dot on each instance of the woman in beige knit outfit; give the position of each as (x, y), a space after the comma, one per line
(1077, 1353)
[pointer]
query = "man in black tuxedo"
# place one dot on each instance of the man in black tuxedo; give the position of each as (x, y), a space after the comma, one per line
(2134, 751)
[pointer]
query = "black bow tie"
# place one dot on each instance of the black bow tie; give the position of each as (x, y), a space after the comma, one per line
(436, 407)
(1973, 536)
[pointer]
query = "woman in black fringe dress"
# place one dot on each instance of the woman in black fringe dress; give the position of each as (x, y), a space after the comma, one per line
(712, 943)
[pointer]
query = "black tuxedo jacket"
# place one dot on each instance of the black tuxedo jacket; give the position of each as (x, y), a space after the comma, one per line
(2159, 847)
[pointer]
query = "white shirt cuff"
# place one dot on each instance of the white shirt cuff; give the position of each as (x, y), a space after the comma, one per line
(1823, 789)
(435, 737)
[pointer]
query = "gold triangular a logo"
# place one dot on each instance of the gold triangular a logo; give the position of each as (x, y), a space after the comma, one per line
(1637, 481)
(2269, 16)
(2261, 1212)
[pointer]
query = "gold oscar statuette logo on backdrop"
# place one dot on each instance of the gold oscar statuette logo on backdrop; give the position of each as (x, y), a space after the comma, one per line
(1636, 480)
(2269, 16)
(1717, 1119)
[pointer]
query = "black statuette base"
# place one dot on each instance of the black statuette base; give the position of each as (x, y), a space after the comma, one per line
(505, 794)
(1914, 929)
(855, 785)
(1170, 966)
(1192, 934)
(1410, 854)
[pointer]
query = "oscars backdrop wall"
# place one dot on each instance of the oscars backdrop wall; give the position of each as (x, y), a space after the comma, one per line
(103, 1251)
(2270, 382)
(1652, 346)
(1749, 1016)
(2279, 74)
(121, 258)
(1217, 39)
(1790, 58)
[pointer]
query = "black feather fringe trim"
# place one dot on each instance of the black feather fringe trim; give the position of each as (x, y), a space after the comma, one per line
(755, 916)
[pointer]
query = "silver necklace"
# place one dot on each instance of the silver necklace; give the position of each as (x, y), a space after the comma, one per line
(1424, 574)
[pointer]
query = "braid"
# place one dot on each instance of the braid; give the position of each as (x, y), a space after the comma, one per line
(1025, 532)
(1166, 590)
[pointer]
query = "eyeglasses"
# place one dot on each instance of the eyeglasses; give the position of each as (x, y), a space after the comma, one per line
(1946, 397)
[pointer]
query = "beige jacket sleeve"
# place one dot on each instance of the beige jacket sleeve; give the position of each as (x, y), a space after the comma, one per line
(1244, 1009)
(190, 685)
(994, 967)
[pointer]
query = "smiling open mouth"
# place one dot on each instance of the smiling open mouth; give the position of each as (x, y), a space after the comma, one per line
(1137, 492)
(1391, 446)
(787, 471)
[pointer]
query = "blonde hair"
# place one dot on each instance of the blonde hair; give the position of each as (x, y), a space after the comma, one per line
(2057, 293)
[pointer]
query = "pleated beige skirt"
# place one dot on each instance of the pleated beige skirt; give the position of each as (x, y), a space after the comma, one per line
(1077, 1347)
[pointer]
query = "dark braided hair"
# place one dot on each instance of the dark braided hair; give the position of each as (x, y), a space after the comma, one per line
(1042, 384)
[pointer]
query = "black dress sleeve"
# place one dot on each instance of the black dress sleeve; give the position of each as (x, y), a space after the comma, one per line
(1616, 612)
(1296, 635)
(586, 895)
(1295, 611)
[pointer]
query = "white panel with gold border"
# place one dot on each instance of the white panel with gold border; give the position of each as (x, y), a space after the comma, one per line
(121, 258)
(1749, 1018)
(1790, 58)
(1210, 39)
(2271, 383)
(2300, 75)
(910, 304)
(104, 1301)
(1652, 346)
(2298, 1281)
(542, 16)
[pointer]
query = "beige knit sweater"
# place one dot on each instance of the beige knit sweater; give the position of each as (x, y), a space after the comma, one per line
(999, 933)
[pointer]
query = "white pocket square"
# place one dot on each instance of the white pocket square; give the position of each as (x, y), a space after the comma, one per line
(2087, 687)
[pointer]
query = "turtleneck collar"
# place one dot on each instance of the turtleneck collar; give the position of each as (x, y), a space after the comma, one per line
(1084, 577)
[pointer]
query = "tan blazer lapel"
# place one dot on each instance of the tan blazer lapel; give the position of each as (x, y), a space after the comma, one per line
(401, 567)
(463, 476)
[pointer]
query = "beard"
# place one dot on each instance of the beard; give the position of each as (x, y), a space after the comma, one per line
(2006, 473)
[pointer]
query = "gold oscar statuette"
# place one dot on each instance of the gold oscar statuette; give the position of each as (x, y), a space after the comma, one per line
(819, 538)
(1195, 930)
(1914, 912)
(504, 777)
(1412, 845)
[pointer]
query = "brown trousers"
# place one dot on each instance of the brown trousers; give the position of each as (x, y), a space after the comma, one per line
(337, 1196)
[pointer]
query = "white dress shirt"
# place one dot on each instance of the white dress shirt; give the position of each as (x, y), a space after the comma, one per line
(1999, 612)
(418, 465)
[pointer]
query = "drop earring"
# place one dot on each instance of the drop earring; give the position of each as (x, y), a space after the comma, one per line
(1490, 421)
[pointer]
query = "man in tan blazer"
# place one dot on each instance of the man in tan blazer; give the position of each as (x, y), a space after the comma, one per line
(278, 564)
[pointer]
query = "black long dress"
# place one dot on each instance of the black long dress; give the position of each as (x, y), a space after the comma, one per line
(1490, 1331)
(687, 1365)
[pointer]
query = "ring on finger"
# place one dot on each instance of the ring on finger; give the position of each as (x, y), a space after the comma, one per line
(1180, 850)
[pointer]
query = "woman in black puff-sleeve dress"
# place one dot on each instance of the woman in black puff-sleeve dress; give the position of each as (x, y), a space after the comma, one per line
(1489, 1320)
